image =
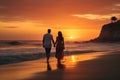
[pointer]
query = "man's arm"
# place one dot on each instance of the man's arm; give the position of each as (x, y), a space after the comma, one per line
(53, 41)
(43, 40)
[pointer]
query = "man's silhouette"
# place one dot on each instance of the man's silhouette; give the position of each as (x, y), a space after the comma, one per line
(47, 43)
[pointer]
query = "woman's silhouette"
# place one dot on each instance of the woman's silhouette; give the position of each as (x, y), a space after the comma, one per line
(59, 47)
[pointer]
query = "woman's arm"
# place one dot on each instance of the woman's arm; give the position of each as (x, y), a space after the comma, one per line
(63, 44)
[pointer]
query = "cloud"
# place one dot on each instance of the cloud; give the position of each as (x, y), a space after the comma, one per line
(21, 24)
(117, 5)
(95, 16)
(11, 18)
(44, 9)
(47, 10)
(11, 27)
(2, 7)
(116, 9)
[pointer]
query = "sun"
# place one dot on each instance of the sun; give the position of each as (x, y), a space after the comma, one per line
(71, 37)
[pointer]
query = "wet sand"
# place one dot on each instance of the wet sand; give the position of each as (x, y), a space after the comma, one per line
(89, 66)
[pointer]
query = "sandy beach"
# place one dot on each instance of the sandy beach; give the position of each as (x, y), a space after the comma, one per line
(88, 66)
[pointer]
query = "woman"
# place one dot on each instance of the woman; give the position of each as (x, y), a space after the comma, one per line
(59, 47)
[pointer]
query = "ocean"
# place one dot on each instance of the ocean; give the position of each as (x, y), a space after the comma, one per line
(18, 51)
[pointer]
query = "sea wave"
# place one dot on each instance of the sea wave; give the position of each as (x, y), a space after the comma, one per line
(27, 57)
(31, 50)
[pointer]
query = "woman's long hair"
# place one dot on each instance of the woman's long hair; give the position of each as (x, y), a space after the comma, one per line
(60, 36)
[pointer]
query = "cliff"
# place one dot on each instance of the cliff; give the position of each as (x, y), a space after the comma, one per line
(109, 33)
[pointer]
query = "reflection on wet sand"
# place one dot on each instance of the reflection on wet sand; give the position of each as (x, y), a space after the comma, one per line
(37, 69)
(49, 67)
(60, 66)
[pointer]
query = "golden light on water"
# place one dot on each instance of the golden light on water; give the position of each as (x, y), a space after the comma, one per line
(73, 58)
(84, 57)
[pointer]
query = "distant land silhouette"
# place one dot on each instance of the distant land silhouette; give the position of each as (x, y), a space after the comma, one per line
(110, 32)
(14, 43)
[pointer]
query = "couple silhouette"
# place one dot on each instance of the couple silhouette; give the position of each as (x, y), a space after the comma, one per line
(58, 44)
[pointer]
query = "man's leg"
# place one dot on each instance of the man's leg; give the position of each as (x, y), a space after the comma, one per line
(48, 53)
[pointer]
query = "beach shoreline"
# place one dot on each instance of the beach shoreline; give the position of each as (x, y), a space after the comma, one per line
(91, 66)
(10, 59)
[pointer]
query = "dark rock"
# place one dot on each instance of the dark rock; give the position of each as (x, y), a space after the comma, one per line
(109, 33)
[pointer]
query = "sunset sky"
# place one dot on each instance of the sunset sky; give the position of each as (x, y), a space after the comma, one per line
(78, 19)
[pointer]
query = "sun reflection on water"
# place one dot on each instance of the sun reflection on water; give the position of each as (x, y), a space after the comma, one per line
(73, 58)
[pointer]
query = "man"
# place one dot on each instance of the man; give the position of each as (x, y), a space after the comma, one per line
(47, 43)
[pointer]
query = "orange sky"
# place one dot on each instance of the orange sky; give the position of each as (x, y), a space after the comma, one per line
(78, 19)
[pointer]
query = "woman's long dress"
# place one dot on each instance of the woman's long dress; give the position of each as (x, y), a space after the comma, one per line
(59, 48)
